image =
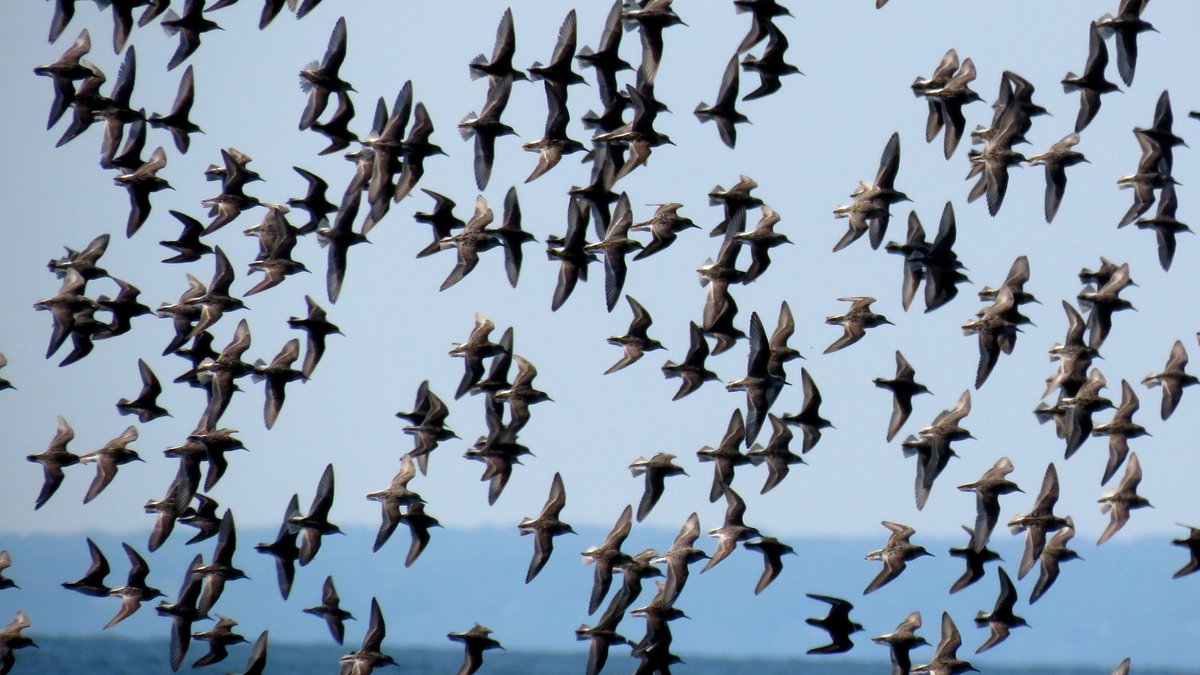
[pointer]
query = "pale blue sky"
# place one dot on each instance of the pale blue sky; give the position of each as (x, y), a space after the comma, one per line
(808, 147)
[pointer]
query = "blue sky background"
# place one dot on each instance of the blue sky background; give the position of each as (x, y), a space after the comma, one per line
(808, 147)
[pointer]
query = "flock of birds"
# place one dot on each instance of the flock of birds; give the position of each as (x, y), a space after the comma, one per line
(388, 162)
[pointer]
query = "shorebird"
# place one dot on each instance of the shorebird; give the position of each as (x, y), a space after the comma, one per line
(901, 641)
(545, 527)
(894, 555)
(837, 623)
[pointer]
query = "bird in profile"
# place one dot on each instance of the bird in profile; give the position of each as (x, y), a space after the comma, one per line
(11, 640)
(220, 569)
(316, 523)
(284, 549)
(189, 27)
(1165, 225)
(1172, 378)
(651, 18)
(772, 551)
(554, 143)
(368, 656)
(486, 127)
(545, 527)
(141, 183)
(1119, 430)
(606, 557)
(183, 613)
(770, 66)
(727, 456)
(975, 561)
(1103, 303)
(870, 209)
(1056, 160)
(894, 555)
(903, 387)
(995, 328)
(932, 445)
(469, 242)
(500, 66)
(988, 490)
(92, 582)
(615, 245)
(950, 98)
(837, 623)
(761, 240)
(145, 406)
(656, 470)
(1118, 503)
(135, 591)
(604, 634)
(692, 370)
(318, 327)
(679, 557)
(476, 641)
(732, 531)
(321, 78)
(901, 641)
(114, 454)
(724, 111)
(1192, 544)
(1001, 619)
(809, 418)
(776, 454)
(1054, 553)
(1091, 84)
(855, 322)
(331, 611)
(736, 200)
(53, 459)
(570, 251)
(636, 341)
(1038, 522)
(945, 659)
(1126, 26)
(177, 121)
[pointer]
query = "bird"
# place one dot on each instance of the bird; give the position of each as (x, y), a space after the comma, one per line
(1091, 84)
(1001, 619)
(1053, 553)
(141, 183)
(545, 527)
(837, 623)
(418, 523)
(770, 66)
(656, 470)
(733, 530)
(318, 327)
(1039, 521)
(636, 341)
(1119, 430)
(1126, 26)
(114, 453)
(692, 370)
(321, 78)
(855, 322)
(772, 551)
(486, 127)
(11, 640)
(1192, 544)
(53, 460)
(1124, 499)
(869, 210)
(284, 549)
(975, 561)
(724, 111)
(1056, 160)
(256, 664)
(220, 568)
(188, 26)
(177, 121)
(901, 641)
(615, 245)
(470, 241)
(683, 552)
(603, 635)
(570, 251)
(988, 490)
(500, 66)
(183, 612)
(135, 591)
(220, 637)
(762, 384)
(903, 388)
(316, 523)
(950, 98)
(895, 554)
(727, 456)
(476, 641)
(92, 582)
(606, 557)
(1165, 225)
(1172, 379)
(331, 611)
(945, 659)
(368, 656)
(776, 454)
(809, 418)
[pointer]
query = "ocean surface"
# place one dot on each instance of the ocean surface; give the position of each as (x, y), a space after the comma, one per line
(107, 656)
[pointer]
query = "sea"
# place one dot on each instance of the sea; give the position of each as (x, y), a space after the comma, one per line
(106, 656)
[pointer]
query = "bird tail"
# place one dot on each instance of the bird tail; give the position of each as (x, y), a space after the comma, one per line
(167, 26)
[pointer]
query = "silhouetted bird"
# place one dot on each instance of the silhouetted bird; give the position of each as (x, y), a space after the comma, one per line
(837, 623)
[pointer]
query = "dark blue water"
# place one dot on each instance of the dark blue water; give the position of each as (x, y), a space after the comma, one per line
(101, 656)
